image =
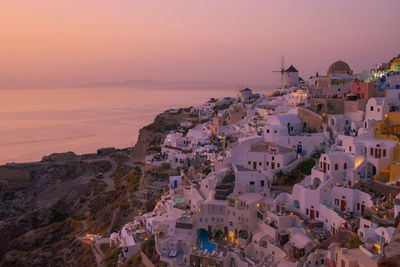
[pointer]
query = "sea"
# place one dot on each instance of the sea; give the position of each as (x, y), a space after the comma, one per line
(38, 122)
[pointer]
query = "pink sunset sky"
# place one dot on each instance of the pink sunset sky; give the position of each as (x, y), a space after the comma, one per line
(48, 43)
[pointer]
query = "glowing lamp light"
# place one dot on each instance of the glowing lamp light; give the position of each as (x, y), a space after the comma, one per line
(378, 247)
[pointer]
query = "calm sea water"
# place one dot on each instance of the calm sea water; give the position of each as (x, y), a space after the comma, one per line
(37, 122)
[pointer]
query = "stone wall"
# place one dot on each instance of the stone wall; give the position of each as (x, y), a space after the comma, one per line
(312, 119)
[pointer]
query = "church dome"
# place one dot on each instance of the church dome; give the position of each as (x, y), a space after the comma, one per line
(339, 67)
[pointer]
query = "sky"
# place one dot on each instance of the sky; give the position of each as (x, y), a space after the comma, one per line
(47, 43)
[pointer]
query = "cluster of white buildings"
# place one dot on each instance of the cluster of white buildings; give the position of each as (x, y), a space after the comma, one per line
(236, 215)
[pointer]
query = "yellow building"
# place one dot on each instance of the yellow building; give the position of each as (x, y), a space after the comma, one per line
(389, 129)
(394, 64)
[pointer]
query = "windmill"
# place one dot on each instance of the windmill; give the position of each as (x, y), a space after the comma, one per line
(282, 70)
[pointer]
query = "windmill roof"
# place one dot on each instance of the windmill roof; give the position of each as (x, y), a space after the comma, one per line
(291, 69)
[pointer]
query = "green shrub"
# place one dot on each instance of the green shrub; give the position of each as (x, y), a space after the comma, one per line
(306, 166)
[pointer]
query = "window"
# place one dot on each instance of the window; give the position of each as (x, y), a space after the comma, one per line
(336, 202)
(201, 219)
(350, 148)
(273, 158)
(262, 182)
(307, 211)
(365, 152)
(371, 108)
(345, 166)
(371, 151)
(317, 214)
(268, 131)
(267, 163)
(275, 131)
(279, 165)
(328, 166)
(259, 163)
(384, 153)
(358, 206)
(252, 183)
(336, 167)
(249, 162)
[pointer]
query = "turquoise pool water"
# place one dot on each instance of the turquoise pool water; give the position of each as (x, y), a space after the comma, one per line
(204, 242)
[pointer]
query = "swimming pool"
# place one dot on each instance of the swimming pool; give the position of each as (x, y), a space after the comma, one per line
(204, 242)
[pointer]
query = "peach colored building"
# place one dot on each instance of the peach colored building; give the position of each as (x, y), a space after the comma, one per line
(364, 90)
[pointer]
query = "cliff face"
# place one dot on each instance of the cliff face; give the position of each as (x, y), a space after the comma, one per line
(147, 138)
(152, 135)
(34, 213)
(45, 207)
(392, 251)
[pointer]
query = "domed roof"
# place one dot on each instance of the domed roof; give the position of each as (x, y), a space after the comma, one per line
(339, 67)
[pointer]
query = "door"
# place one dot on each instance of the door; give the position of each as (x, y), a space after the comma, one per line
(272, 165)
(254, 165)
(324, 167)
(343, 205)
(362, 209)
(312, 214)
(377, 153)
(252, 186)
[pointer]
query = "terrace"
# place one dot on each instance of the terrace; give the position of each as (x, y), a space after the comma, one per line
(382, 215)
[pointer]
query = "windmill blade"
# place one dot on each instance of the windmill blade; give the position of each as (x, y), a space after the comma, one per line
(283, 63)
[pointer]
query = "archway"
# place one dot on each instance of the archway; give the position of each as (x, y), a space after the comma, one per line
(320, 108)
(316, 182)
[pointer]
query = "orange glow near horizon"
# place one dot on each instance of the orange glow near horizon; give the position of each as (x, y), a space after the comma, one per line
(62, 43)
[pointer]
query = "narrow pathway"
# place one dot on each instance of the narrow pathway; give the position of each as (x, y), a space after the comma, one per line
(106, 176)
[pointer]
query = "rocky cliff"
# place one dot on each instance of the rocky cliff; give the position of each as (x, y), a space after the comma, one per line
(152, 135)
(47, 207)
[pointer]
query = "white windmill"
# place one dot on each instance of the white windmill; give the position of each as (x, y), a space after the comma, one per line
(282, 70)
